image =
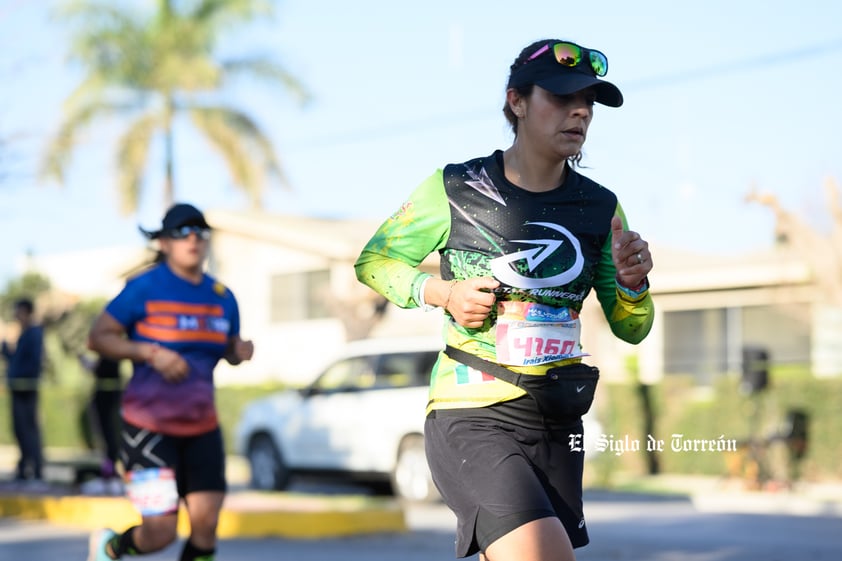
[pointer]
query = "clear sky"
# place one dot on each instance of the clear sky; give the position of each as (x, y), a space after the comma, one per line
(720, 96)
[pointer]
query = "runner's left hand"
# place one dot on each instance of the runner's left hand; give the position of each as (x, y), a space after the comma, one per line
(631, 255)
(243, 350)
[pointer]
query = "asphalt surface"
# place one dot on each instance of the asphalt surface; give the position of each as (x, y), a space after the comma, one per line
(623, 527)
(668, 518)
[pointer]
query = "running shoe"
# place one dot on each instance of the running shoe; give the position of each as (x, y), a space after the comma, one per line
(97, 543)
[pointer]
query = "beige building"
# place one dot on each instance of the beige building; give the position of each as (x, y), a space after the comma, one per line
(709, 308)
(298, 294)
(300, 301)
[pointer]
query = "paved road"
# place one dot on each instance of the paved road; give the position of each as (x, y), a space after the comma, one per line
(635, 528)
(623, 528)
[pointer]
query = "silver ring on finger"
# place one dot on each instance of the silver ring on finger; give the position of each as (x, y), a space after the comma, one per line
(640, 259)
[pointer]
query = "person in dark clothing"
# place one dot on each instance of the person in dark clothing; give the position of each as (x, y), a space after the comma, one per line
(23, 374)
(106, 408)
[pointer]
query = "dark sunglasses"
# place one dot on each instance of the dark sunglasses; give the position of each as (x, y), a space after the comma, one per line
(571, 55)
(184, 232)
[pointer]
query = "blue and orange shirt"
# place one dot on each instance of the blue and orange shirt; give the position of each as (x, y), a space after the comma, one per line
(195, 321)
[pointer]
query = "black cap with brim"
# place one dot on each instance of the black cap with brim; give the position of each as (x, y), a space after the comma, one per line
(181, 214)
(561, 80)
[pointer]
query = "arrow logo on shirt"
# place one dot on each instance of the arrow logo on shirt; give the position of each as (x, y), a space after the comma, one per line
(503, 271)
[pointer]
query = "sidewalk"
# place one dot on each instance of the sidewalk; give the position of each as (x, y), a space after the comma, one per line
(720, 494)
(308, 515)
(244, 514)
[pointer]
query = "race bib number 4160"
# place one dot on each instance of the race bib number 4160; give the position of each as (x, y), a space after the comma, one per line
(528, 333)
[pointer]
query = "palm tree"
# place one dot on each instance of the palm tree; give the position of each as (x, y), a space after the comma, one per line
(152, 69)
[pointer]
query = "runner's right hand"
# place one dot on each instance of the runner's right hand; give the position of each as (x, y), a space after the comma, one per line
(471, 300)
(171, 365)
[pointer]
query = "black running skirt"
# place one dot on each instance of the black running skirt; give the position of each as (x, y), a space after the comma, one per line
(496, 475)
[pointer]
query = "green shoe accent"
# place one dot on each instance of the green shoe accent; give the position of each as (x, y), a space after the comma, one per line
(97, 543)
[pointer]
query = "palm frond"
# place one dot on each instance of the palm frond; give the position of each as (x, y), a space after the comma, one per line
(265, 69)
(90, 88)
(248, 153)
(256, 139)
(132, 154)
(60, 148)
(219, 13)
(92, 13)
(243, 169)
(110, 42)
(95, 90)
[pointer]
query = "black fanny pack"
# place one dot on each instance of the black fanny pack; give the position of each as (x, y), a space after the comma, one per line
(563, 392)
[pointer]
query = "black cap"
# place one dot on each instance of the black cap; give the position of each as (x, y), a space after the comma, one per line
(546, 72)
(180, 214)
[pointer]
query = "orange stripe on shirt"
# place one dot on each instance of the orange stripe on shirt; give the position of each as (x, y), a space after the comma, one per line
(180, 335)
(163, 307)
(169, 321)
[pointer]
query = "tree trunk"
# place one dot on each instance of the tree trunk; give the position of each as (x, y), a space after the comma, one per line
(169, 181)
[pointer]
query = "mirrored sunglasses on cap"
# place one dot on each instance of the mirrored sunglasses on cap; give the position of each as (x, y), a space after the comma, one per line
(184, 232)
(571, 55)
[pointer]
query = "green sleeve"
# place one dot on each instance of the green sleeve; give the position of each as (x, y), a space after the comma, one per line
(388, 263)
(629, 314)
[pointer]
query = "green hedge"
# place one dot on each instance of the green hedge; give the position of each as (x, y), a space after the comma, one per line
(723, 410)
(66, 392)
(680, 407)
(63, 420)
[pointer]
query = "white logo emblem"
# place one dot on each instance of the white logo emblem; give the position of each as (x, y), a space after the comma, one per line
(579, 389)
(482, 183)
(503, 272)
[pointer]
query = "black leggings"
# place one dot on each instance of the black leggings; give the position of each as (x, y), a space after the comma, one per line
(27, 433)
(107, 409)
